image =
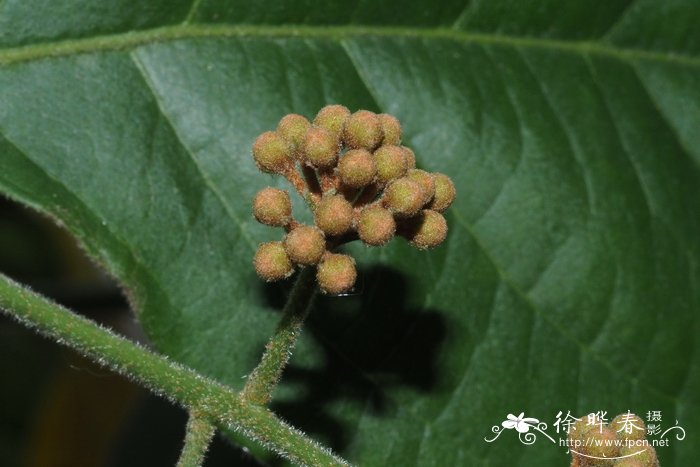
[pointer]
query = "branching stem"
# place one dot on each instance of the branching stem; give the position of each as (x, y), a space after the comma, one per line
(180, 384)
(199, 433)
(262, 381)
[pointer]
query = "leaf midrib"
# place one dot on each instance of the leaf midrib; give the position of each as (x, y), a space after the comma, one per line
(130, 40)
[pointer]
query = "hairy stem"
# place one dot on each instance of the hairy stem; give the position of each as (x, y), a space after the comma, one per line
(300, 185)
(199, 433)
(262, 381)
(176, 382)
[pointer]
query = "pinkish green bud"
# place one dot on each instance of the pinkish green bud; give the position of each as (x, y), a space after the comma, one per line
(357, 168)
(363, 130)
(445, 193)
(273, 207)
(336, 273)
(600, 442)
(293, 128)
(403, 197)
(334, 215)
(375, 225)
(426, 230)
(391, 129)
(333, 118)
(646, 455)
(410, 157)
(271, 262)
(320, 148)
(391, 163)
(628, 426)
(272, 152)
(305, 245)
(629, 462)
(425, 180)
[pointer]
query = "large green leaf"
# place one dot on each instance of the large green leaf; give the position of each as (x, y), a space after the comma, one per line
(570, 278)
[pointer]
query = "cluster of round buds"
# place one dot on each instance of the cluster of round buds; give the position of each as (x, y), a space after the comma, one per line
(360, 182)
(621, 443)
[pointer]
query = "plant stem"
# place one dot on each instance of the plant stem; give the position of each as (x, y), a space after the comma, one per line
(176, 382)
(199, 433)
(262, 381)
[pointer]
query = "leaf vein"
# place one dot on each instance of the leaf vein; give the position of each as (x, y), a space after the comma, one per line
(141, 67)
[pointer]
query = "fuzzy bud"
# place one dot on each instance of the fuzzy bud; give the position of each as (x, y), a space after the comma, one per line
(445, 193)
(391, 163)
(600, 443)
(375, 225)
(334, 215)
(630, 462)
(357, 168)
(363, 130)
(426, 182)
(628, 426)
(320, 148)
(391, 129)
(293, 128)
(333, 118)
(336, 273)
(403, 197)
(273, 207)
(272, 152)
(645, 455)
(579, 428)
(271, 262)
(410, 157)
(305, 245)
(427, 230)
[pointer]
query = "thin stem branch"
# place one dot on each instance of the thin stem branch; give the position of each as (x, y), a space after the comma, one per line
(311, 179)
(262, 381)
(299, 184)
(180, 384)
(198, 436)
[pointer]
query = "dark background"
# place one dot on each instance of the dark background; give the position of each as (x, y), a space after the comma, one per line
(58, 409)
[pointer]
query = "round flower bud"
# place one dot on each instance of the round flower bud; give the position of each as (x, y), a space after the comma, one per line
(271, 152)
(630, 462)
(410, 157)
(646, 455)
(272, 206)
(363, 130)
(427, 230)
(334, 215)
(305, 245)
(580, 427)
(391, 129)
(391, 163)
(293, 128)
(601, 444)
(425, 180)
(403, 197)
(375, 225)
(320, 148)
(445, 193)
(333, 118)
(357, 168)
(336, 273)
(271, 262)
(628, 426)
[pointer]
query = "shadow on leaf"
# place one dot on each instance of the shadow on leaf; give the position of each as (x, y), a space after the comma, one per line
(370, 343)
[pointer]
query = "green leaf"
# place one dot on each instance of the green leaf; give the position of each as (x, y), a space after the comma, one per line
(570, 278)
